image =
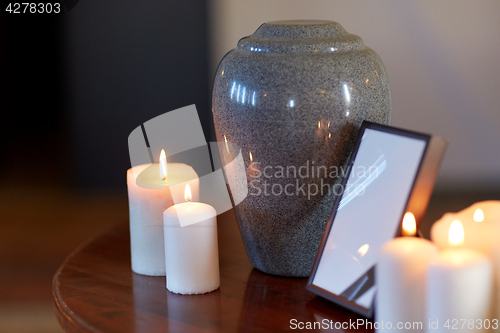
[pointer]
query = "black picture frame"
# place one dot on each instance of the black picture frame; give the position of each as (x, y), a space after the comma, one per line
(418, 198)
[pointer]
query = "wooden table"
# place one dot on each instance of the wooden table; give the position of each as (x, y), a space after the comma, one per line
(96, 291)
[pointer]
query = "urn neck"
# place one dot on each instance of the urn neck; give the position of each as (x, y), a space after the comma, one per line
(300, 36)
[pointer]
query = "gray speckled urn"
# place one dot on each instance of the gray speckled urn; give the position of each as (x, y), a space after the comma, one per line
(292, 96)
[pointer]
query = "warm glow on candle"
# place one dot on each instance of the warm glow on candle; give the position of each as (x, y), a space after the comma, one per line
(227, 147)
(251, 157)
(163, 165)
(363, 249)
(409, 225)
(479, 215)
(456, 233)
(187, 193)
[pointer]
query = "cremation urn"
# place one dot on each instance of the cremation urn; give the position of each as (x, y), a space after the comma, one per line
(292, 97)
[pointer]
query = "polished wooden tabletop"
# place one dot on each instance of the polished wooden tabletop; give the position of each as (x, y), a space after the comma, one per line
(95, 290)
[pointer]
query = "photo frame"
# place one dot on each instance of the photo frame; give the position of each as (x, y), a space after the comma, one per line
(390, 172)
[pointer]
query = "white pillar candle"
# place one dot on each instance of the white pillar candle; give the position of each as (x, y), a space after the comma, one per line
(191, 249)
(148, 198)
(459, 288)
(481, 223)
(496, 274)
(400, 279)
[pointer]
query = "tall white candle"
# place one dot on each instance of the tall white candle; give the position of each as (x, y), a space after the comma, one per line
(459, 288)
(148, 198)
(191, 249)
(400, 279)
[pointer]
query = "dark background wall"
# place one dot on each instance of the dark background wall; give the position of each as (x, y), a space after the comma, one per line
(31, 98)
(75, 85)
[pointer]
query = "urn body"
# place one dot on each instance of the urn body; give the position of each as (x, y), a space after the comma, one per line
(292, 97)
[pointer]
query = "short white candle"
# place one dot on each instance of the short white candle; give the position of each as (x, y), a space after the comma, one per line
(191, 249)
(400, 279)
(149, 196)
(459, 287)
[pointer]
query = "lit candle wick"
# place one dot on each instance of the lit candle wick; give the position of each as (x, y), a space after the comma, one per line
(479, 215)
(163, 166)
(456, 233)
(187, 193)
(409, 225)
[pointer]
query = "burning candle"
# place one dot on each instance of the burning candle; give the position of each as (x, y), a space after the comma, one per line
(152, 188)
(400, 278)
(481, 224)
(459, 287)
(191, 250)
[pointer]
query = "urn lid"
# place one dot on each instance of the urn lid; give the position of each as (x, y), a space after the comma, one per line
(300, 36)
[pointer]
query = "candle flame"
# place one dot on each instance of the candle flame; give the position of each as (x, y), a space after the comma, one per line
(251, 157)
(319, 124)
(163, 165)
(227, 147)
(456, 233)
(479, 215)
(330, 136)
(363, 249)
(187, 193)
(328, 124)
(409, 225)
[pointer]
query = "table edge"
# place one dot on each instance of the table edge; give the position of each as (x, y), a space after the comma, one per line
(67, 319)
